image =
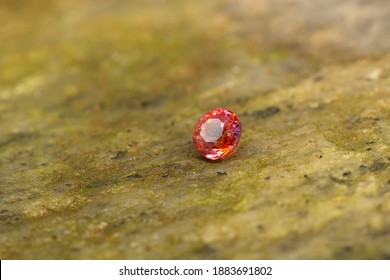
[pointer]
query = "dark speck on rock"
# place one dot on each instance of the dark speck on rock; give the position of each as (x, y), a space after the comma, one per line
(306, 176)
(145, 104)
(208, 249)
(267, 112)
(119, 154)
(221, 173)
(102, 183)
(267, 178)
(363, 167)
(347, 248)
(134, 176)
(368, 149)
(260, 227)
(347, 173)
(8, 217)
(376, 166)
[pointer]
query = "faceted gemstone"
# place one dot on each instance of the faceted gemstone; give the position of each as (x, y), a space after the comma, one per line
(217, 134)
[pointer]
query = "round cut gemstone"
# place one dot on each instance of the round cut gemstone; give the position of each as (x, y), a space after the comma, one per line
(217, 134)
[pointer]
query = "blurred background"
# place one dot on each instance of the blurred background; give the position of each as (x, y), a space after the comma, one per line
(98, 100)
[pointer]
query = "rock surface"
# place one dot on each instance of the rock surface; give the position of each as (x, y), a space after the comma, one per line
(98, 100)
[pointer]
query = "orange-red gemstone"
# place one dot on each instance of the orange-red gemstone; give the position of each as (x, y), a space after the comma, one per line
(217, 134)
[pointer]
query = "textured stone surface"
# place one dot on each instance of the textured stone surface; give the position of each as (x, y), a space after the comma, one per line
(98, 100)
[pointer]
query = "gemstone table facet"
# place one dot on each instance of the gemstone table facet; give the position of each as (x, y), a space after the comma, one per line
(217, 134)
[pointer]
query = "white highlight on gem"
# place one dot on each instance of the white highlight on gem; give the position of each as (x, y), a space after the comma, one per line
(211, 130)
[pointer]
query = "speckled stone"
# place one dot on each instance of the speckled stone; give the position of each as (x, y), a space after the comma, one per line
(98, 100)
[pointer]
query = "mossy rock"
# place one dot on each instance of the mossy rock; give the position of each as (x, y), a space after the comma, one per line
(98, 100)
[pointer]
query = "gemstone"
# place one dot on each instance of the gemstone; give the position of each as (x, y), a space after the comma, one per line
(217, 134)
